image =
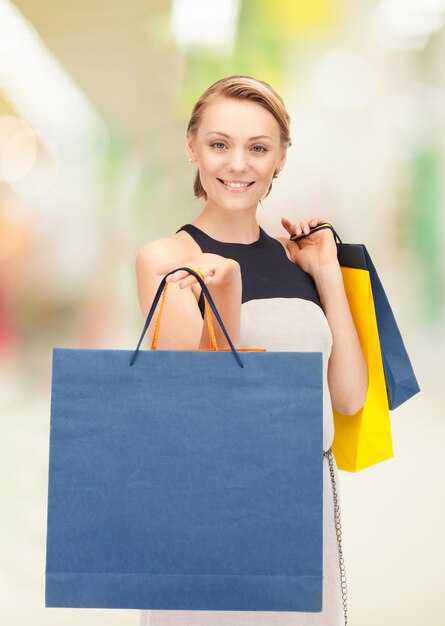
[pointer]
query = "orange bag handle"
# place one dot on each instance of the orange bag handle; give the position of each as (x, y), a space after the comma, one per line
(211, 329)
(213, 344)
(208, 296)
(212, 337)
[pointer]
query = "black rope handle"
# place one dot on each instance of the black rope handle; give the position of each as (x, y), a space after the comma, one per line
(209, 300)
(321, 226)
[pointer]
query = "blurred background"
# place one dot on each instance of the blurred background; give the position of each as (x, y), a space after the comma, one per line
(95, 97)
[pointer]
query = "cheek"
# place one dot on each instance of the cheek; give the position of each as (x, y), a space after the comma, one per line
(210, 162)
(265, 163)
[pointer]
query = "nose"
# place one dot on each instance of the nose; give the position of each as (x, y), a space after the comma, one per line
(238, 161)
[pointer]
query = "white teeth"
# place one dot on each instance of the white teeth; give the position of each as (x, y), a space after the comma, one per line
(236, 184)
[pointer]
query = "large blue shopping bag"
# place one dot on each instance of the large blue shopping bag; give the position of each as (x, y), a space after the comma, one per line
(185, 479)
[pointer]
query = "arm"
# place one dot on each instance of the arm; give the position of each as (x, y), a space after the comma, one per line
(347, 369)
(182, 326)
(227, 299)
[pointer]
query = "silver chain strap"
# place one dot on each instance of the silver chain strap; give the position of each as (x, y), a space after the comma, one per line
(330, 458)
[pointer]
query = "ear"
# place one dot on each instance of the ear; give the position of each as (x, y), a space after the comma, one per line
(190, 148)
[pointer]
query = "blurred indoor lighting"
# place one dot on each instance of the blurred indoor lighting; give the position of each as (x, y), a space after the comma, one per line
(40, 90)
(417, 112)
(344, 80)
(204, 24)
(43, 173)
(26, 164)
(18, 148)
(408, 23)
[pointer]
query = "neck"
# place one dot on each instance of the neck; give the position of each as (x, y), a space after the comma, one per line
(228, 226)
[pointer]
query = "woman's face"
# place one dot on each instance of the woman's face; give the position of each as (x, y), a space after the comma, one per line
(237, 141)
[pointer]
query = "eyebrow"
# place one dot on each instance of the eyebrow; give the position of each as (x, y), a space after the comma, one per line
(218, 132)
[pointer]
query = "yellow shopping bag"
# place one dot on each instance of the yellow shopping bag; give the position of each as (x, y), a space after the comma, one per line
(364, 439)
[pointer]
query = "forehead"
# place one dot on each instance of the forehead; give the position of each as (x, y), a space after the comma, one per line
(238, 118)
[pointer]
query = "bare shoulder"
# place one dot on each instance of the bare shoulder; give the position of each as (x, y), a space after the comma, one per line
(171, 251)
(182, 319)
(158, 249)
(165, 250)
(284, 241)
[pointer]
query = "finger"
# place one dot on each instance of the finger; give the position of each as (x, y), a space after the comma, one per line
(308, 224)
(318, 220)
(179, 274)
(206, 271)
(289, 226)
(209, 277)
(186, 282)
(302, 227)
(311, 222)
(305, 227)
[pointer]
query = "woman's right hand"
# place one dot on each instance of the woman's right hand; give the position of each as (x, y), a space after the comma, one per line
(183, 327)
(218, 271)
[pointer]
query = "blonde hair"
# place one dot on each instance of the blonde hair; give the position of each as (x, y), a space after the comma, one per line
(240, 87)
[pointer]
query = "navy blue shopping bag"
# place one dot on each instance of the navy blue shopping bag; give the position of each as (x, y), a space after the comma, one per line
(401, 382)
(185, 479)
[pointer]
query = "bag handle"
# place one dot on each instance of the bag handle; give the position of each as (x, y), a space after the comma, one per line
(313, 229)
(212, 337)
(162, 289)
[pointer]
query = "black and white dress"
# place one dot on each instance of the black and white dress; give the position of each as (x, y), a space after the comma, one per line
(280, 311)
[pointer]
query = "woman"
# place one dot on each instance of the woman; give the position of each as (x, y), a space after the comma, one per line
(270, 292)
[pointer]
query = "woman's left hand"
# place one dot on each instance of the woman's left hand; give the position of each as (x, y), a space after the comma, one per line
(315, 251)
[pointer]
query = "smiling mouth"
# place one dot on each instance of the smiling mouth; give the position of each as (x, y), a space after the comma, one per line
(234, 187)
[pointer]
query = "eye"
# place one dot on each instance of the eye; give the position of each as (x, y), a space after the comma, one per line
(262, 148)
(217, 143)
